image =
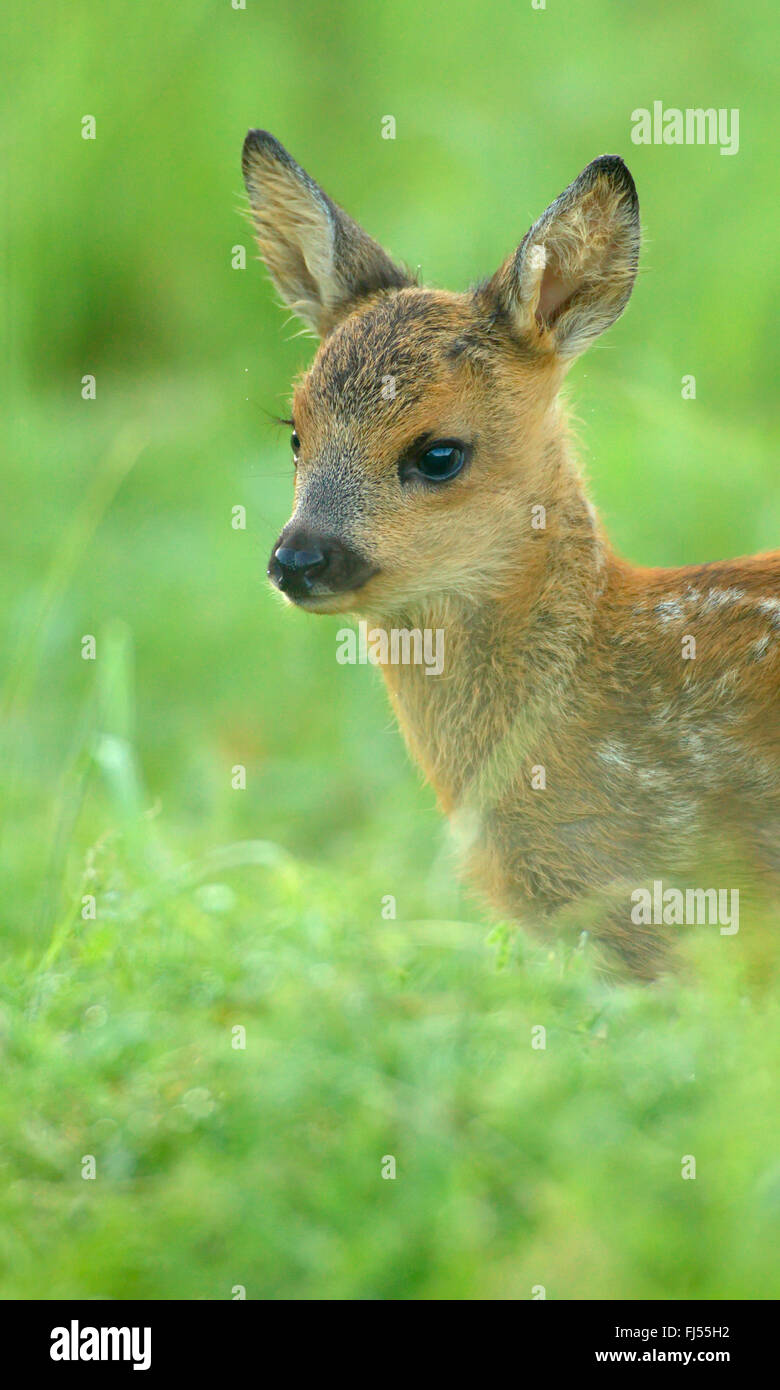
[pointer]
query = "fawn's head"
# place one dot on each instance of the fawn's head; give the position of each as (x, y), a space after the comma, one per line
(420, 433)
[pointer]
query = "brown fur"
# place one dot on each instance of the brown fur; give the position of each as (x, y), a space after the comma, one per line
(558, 654)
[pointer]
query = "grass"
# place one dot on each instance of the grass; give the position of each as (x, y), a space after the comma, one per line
(220, 1165)
(216, 909)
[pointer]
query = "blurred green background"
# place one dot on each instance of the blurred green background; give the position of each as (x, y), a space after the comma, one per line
(261, 908)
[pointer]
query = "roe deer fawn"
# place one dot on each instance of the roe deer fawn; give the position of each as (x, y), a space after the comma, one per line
(575, 741)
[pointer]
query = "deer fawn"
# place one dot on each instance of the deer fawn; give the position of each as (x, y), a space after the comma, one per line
(596, 724)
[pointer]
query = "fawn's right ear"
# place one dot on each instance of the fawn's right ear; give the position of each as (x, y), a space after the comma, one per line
(574, 271)
(321, 262)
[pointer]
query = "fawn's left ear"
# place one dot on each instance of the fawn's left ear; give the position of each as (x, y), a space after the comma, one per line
(321, 262)
(573, 273)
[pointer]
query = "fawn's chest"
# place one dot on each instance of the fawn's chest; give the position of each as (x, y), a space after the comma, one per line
(555, 789)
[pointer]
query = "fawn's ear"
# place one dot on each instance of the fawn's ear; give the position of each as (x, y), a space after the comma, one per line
(321, 261)
(573, 273)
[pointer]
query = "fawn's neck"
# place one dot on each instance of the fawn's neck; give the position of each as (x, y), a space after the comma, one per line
(509, 658)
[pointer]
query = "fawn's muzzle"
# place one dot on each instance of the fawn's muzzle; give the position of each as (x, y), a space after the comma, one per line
(304, 565)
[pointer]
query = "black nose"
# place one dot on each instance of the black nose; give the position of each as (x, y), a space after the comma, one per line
(295, 569)
(301, 560)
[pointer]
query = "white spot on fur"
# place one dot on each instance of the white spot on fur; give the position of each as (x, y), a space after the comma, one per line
(694, 745)
(654, 777)
(720, 598)
(771, 606)
(615, 753)
(670, 610)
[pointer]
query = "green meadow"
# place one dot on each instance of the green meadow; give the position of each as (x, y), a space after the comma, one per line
(213, 1037)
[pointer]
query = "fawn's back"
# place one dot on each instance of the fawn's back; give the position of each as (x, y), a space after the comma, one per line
(595, 726)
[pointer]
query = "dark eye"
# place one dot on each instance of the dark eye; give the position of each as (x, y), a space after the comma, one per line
(440, 462)
(296, 444)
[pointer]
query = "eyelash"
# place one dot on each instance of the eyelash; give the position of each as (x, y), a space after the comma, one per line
(408, 464)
